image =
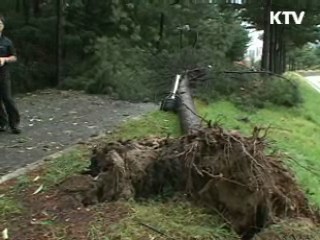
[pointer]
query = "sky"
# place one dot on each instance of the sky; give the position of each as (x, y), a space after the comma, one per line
(255, 43)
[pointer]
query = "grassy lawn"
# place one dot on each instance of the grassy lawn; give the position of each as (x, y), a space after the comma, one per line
(296, 132)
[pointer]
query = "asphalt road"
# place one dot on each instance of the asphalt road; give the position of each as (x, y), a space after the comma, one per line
(53, 120)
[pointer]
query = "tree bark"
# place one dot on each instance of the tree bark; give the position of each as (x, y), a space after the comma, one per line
(265, 62)
(272, 49)
(36, 8)
(59, 41)
(189, 120)
(18, 7)
(280, 58)
(277, 50)
(26, 10)
(283, 58)
(161, 25)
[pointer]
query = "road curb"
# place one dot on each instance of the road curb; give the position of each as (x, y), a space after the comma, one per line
(30, 167)
(35, 165)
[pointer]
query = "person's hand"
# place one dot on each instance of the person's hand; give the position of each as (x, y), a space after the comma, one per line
(2, 61)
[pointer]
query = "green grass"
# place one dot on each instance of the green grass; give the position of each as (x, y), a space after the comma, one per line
(154, 220)
(64, 166)
(54, 171)
(9, 206)
(157, 123)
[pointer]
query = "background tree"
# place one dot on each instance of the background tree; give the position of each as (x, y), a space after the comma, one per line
(278, 39)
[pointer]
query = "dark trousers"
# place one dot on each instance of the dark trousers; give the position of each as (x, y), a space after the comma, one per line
(3, 116)
(9, 113)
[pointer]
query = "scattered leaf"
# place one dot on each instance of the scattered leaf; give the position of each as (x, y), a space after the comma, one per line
(36, 178)
(5, 234)
(38, 190)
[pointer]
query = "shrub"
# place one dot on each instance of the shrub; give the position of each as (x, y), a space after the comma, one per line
(118, 69)
(250, 91)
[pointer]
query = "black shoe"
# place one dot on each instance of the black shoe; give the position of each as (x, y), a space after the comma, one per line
(2, 128)
(15, 130)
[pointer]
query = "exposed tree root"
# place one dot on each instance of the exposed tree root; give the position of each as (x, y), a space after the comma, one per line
(220, 170)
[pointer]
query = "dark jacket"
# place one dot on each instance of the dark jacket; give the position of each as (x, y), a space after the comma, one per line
(6, 50)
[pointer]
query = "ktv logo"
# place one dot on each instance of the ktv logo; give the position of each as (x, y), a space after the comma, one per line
(289, 17)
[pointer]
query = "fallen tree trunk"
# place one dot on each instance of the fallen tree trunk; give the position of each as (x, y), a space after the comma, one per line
(189, 119)
(218, 169)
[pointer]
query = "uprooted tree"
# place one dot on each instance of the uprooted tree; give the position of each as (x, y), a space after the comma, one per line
(215, 168)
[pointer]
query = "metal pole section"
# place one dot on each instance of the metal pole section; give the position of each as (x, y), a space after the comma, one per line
(176, 84)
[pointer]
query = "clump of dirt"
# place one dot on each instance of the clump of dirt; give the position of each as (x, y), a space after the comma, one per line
(221, 170)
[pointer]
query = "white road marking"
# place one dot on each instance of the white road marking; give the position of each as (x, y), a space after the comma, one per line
(314, 81)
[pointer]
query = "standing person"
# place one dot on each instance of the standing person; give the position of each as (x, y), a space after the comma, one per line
(7, 55)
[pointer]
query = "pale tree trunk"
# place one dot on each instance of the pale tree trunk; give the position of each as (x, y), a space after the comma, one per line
(189, 119)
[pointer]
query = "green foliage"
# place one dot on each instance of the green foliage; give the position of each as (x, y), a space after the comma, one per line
(108, 45)
(128, 68)
(239, 42)
(33, 38)
(251, 90)
(117, 69)
(281, 92)
(306, 57)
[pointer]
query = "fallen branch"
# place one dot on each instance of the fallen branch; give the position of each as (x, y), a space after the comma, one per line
(154, 229)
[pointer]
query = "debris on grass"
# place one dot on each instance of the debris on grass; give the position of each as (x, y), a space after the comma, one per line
(220, 170)
(39, 189)
(5, 234)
